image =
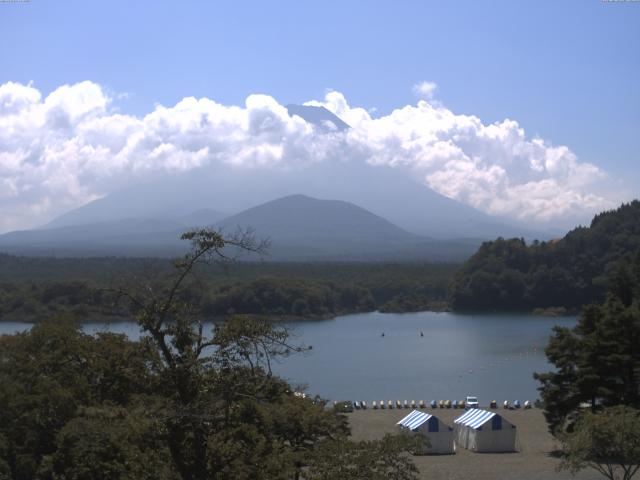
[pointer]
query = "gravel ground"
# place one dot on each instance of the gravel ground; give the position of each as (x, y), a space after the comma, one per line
(532, 461)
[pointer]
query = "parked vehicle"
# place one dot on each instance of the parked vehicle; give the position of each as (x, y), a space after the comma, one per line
(471, 402)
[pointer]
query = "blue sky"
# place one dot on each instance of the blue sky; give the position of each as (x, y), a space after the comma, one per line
(567, 71)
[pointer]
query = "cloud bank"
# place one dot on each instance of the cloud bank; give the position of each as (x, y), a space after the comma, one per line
(62, 150)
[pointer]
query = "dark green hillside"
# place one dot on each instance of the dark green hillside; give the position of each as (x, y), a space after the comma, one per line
(570, 272)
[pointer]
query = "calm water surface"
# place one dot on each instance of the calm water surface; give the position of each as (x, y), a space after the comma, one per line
(492, 356)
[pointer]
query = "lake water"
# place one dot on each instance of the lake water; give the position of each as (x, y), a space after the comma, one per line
(492, 356)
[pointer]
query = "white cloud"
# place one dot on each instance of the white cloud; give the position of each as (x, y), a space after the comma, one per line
(425, 90)
(70, 147)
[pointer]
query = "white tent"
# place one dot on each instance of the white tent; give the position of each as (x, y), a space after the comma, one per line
(482, 431)
(439, 435)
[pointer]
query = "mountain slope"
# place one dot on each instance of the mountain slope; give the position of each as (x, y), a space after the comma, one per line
(201, 218)
(304, 228)
(384, 191)
(569, 272)
(318, 116)
(300, 228)
(299, 216)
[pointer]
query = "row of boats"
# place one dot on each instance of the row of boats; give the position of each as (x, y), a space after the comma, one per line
(362, 405)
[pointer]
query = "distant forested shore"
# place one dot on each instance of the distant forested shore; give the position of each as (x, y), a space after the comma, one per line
(555, 277)
(34, 288)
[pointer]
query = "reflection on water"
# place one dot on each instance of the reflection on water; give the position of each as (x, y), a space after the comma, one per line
(492, 356)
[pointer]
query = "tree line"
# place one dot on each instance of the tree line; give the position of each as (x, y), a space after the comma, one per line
(569, 272)
(34, 288)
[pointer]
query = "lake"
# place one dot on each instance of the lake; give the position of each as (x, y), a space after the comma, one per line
(492, 356)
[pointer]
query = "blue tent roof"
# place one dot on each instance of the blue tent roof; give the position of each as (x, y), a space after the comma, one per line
(474, 418)
(414, 420)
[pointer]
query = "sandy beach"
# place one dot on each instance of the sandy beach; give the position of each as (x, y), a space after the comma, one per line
(532, 461)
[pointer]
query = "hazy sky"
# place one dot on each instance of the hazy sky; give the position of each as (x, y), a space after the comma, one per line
(81, 83)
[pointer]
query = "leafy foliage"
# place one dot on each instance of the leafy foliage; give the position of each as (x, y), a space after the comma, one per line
(181, 403)
(598, 361)
(570, 272)
(607, 441)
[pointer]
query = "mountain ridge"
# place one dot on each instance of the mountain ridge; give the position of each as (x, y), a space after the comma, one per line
(300, 227)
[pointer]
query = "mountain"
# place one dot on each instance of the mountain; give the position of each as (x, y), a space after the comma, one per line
(318, 116)
(300, 217)
(382, 190)
(568, 272)
(304, 228)
(300, 228)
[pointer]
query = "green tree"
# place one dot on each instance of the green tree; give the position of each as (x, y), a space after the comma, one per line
(222, 406)
(110, 443)
(607, 441)
(598, 361)
(49, 373)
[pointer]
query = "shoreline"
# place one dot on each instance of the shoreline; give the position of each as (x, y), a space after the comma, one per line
(94, 319)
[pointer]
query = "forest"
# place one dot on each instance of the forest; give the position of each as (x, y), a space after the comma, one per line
(33, 288)
(568, 273)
